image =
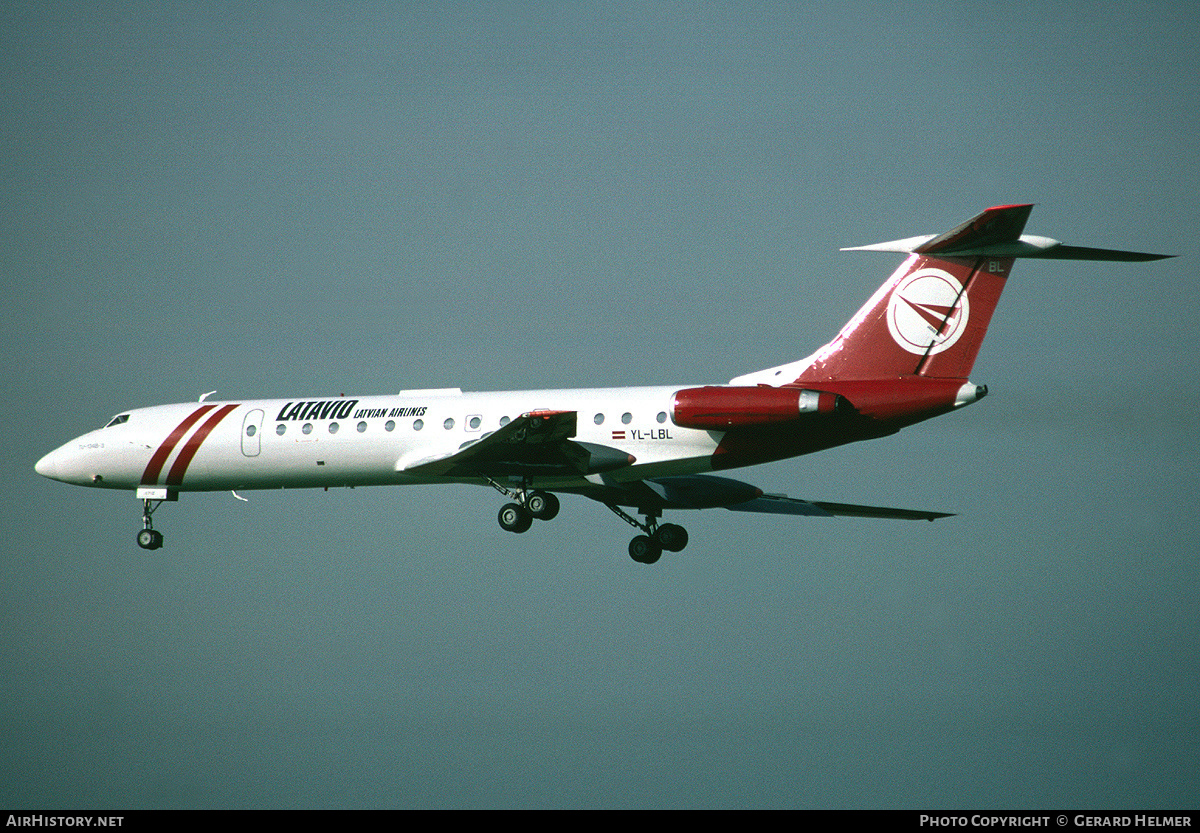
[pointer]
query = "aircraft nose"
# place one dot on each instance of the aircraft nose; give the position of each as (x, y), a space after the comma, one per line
(65, 464)
(49, 465)
(89, 460)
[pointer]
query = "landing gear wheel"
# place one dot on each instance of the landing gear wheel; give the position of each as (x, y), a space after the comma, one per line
(514, 517)
(149, 539)
(542, 505)
(644, 550)
(671, 537)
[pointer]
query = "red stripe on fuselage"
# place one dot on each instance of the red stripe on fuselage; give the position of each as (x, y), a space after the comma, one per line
(175, 476)
(154, 467)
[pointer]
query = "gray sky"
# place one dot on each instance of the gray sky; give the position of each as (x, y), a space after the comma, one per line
(289, 199)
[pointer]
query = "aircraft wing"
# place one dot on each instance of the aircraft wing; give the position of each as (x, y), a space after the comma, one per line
(536, 443)
(706, 491)
(784, 505)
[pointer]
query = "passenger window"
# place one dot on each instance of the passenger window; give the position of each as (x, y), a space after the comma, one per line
(390, 425)
(626, 418)
(362, 427)
(281, 428)
(504, 421)
(250, 430)
(449, 423)
(306, 428)
(418, 424)
(662, 417)
(599, 419)
(333, 428)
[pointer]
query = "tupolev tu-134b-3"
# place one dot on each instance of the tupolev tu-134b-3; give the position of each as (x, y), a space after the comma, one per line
(903, 358)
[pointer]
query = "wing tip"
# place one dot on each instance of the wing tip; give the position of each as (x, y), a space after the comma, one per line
(885, 512)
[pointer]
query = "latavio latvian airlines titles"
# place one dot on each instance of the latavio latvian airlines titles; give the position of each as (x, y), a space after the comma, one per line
(341, 409)
(641, 451)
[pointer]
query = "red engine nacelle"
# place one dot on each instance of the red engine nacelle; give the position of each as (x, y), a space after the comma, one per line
(721, 408)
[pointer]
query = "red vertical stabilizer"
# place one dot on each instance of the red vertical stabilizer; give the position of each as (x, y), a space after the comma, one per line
(929, 319)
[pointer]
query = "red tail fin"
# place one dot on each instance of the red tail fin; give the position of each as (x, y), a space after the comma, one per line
(930, 317)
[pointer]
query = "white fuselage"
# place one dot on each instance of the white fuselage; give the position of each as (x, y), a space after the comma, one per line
(361, 441)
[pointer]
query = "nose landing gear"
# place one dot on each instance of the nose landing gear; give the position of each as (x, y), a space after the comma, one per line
(149, 538)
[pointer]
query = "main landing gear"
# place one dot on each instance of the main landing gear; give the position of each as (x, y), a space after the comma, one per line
(648, 548)
(530, 506)
(149, 538)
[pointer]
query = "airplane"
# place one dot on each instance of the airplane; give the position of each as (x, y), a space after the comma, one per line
(905, 357)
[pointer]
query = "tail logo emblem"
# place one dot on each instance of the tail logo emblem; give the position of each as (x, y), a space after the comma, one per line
(927, 312)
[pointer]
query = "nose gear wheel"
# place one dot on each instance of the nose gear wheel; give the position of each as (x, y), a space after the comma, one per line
(149, 538)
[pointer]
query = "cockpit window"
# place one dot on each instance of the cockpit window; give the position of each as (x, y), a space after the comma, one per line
(117, 420)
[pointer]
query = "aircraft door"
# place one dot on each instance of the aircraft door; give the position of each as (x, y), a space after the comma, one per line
(252, 433)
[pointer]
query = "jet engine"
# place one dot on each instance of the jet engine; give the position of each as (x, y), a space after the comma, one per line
(722, 407)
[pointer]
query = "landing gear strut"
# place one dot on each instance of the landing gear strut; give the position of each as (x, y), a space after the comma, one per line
(149, 538)
(530, 506)
(648, 548)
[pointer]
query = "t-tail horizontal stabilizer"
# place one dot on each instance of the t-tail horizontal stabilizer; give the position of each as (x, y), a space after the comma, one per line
(996, 232)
